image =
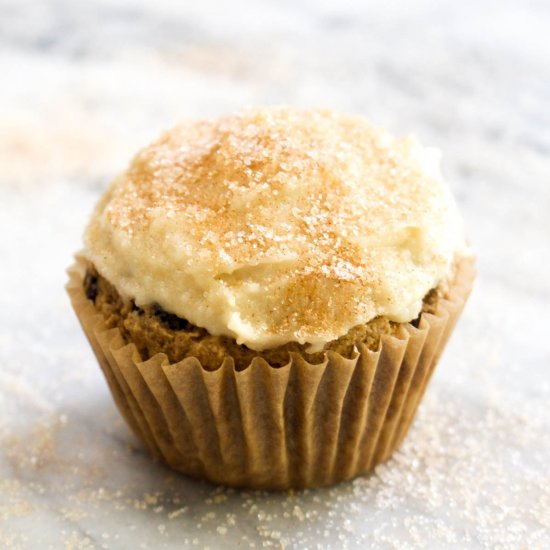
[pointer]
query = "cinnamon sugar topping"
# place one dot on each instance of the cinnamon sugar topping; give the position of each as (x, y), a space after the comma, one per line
(277, 225)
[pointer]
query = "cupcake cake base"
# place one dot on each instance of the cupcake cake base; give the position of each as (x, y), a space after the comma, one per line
(296, 425)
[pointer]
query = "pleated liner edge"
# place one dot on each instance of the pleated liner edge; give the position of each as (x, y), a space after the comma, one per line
(301, 425)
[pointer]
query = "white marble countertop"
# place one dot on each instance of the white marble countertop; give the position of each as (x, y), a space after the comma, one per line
(85, 84)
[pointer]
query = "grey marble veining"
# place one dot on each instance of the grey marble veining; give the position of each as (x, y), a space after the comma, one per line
(84, 85)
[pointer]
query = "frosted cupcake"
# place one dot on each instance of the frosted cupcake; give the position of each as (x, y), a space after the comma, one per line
(269, 292)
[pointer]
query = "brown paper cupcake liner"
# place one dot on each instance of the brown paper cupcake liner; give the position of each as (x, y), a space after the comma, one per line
(301, 425)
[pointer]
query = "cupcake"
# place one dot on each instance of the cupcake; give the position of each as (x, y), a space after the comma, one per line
(268, 294)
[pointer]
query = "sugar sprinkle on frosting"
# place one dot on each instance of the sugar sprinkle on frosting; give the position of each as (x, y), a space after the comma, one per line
(278, 224)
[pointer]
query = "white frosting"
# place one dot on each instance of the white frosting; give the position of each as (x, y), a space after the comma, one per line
(278, 225)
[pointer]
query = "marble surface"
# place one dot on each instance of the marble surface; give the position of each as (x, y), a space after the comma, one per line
(84, 85)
